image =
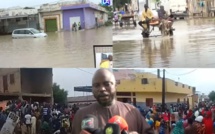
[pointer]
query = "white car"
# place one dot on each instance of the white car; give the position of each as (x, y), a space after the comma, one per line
(27, 33)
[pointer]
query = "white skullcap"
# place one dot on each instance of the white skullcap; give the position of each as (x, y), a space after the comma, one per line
(199, 119)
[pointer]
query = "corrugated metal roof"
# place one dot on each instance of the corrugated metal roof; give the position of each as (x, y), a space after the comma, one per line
(81, 99)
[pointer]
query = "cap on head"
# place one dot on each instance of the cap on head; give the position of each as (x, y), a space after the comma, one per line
(199, 119)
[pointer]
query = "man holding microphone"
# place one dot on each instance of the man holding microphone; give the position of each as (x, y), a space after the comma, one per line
(104, 90)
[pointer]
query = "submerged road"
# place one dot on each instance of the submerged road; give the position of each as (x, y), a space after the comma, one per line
(193, 45)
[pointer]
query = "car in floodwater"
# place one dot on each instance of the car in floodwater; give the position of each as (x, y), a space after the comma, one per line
(27, 33)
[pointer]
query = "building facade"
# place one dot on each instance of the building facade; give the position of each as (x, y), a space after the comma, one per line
(11, 19)
(27, 84)
(85, 14)
(145, 89)
(50, 17)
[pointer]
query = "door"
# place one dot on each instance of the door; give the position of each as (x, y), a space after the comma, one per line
(22, 34)
(51, 25)
(149, 102)
(28, 34)
(5, 84)
(74, 20)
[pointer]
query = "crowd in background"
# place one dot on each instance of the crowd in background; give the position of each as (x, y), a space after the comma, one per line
(44, 118)
(37, 118)
(180, 119)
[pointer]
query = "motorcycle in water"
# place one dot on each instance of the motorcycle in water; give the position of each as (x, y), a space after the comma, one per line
(164, 26)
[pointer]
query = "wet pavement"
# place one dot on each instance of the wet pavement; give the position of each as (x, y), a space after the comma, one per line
(60, 49)
(193, 45)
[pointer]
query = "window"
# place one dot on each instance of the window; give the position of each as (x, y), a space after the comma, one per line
(182, 85)
(17, 19)
(25, 18)
(145, 81)
(35, 31)
(21, 32)
(28, 32)
(16, 32)
(176, 83)
(12, 79)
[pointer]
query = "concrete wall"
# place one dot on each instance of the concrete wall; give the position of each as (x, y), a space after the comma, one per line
(73, 13)
(38, 81)
(171, 98)
(47, 15)
(90, 21)
(8, 25)
(12, 88)
(154, 85)
(102, 17)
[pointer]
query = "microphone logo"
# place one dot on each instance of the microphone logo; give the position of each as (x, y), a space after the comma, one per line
(87, 123)
(109, 130)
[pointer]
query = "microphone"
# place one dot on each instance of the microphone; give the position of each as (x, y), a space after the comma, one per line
(120, 121)
(112, 128)
(89, 125)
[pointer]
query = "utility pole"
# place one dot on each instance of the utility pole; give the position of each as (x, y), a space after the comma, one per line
(147, 2)
(163, 91)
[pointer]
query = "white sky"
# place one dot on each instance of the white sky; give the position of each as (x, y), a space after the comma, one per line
(30, 3)
(202, 79)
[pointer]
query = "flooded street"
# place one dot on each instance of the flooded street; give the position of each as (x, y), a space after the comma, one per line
(192, 45)
(62, 49)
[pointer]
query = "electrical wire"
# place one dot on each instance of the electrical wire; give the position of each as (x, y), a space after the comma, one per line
(181, 74)
(84, 71)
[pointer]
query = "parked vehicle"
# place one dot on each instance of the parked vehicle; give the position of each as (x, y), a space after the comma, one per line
(27, 33)
(178, 8)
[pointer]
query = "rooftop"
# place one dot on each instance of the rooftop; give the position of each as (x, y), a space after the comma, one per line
(81, 99)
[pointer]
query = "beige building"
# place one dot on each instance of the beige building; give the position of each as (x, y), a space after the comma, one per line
(50, 17)
(28, 84)
(134, 5)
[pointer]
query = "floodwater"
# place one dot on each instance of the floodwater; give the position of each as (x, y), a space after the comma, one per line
(193, 45)
(60, 49)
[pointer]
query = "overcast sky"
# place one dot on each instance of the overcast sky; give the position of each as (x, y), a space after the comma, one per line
(30, 3)
(202, 79)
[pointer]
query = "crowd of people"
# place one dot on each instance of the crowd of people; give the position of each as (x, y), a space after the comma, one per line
(180, 119)
(37, 118)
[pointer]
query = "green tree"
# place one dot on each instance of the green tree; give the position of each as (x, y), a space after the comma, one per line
(59, 94)
(212, 95)
(109, 9)
(120, 3)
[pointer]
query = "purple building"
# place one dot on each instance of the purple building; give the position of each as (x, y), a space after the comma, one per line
(86, 14)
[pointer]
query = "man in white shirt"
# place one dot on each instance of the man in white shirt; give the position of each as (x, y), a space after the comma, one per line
(28, 122)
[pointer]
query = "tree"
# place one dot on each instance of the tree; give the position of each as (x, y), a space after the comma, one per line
(212, 95)
(120, 3)
(59, 94)
(109, 9)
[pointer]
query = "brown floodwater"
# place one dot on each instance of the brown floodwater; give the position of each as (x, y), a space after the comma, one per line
(60, 49)
(193, 45)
